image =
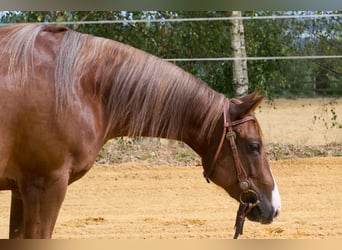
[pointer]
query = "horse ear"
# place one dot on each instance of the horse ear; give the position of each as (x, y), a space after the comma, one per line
(248, 104)
(251, 96)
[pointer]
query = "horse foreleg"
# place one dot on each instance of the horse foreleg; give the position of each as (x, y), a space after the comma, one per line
(16, 217)
(41, 204)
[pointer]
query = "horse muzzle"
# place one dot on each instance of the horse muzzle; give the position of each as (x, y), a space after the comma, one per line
(262, 213)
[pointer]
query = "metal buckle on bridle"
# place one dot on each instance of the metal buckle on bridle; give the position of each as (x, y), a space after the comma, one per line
(231, 134)
(244, 185)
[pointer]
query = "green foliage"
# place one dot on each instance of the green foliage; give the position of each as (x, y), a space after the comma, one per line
(327, 115)
(271, 37)
(300, 37)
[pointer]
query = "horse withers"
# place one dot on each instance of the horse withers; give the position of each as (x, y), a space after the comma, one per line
(64, 94)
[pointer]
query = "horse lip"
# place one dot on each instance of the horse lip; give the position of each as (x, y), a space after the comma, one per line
(261, 219)
(254, 217)
(266, 221)
(258, 216)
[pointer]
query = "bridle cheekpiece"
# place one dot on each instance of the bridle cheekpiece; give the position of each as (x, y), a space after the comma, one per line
(247, 195)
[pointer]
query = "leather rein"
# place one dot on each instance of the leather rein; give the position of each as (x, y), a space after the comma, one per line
(248, 195)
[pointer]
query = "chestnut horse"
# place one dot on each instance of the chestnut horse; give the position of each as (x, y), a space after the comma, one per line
(64, 94)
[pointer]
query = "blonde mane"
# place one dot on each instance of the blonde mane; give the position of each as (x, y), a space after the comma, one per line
(147, 95)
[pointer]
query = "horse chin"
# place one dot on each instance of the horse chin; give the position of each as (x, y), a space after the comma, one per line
(256, 215)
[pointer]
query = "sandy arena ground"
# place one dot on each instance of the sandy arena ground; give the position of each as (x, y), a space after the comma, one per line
(129, 201)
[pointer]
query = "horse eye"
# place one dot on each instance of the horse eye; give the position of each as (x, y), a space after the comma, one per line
(254, 147)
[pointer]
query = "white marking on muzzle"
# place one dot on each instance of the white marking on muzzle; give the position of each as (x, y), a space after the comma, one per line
(276, 202)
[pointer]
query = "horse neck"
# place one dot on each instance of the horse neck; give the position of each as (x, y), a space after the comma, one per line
(186, 125)
(143, 95)
(190, 132)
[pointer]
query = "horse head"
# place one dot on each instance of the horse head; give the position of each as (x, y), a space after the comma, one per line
(238, 162)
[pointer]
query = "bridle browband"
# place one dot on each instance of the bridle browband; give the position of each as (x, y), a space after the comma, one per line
(228, 133)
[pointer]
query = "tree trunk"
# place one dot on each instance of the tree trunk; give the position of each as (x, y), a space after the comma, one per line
(240, 75)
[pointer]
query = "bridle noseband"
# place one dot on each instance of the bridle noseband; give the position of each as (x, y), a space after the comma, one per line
(248, 196)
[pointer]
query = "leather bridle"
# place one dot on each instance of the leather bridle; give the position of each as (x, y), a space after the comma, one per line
(248, 196)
